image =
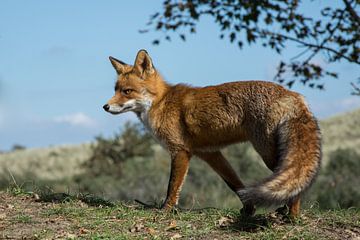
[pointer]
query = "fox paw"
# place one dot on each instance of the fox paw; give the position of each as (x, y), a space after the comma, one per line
(248, 210)
(167, 208)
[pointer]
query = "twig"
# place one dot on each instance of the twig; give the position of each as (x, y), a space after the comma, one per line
(315, 46)
(352, 11)
(356, 89)
(300, 54)
(145, 204)
(13, 178)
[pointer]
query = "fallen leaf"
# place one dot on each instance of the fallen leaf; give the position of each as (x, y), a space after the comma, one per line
(151, 231)
(176, 236)
(224, 221)
(172, 225)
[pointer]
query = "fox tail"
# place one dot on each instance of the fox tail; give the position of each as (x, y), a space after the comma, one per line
(299, 145)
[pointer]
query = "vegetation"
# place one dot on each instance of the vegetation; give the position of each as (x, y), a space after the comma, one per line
(203, 187)
(109, 154)
(332, 33)
(25, 216)
(337, 186)
(17, 147)
(54, 167)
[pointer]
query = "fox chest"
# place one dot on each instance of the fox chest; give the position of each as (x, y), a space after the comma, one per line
(164, 128)
(149, 125)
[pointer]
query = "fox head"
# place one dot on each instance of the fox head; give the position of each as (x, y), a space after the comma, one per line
(136, 86)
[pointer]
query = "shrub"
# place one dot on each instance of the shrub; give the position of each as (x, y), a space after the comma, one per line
(338, 186)
(17, 147)
(108, 154)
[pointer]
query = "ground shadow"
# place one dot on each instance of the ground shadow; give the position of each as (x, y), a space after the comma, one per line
(250, 223)
(258, 222)
(89, 199)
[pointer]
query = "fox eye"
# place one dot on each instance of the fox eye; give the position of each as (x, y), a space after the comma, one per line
(127, 91)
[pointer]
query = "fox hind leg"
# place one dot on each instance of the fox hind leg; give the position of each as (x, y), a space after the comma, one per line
(294, 207)
(291, 209)
(222, 167)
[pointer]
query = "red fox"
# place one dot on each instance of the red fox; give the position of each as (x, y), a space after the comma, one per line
(200, 121)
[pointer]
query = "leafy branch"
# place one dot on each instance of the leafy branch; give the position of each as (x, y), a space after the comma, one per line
(274, 24)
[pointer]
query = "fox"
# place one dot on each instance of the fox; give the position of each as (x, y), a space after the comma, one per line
(200, 121)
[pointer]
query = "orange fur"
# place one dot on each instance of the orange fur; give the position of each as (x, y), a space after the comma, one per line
(201, 120)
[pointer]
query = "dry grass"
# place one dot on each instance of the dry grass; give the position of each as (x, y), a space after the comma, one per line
(46, 163)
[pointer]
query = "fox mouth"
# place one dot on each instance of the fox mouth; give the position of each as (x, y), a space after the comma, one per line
(125, 109)
(117, 110)
(114, 113)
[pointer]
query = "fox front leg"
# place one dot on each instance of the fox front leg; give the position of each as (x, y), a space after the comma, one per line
(179, 167)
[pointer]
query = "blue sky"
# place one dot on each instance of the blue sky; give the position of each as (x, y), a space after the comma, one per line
(55, 74)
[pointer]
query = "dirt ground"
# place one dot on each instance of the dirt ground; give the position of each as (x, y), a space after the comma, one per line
(21, 217)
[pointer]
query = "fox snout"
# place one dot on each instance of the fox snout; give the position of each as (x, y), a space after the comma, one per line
(115, 108)
(106, 107)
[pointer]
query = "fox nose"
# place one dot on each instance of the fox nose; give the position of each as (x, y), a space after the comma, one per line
(106, 107)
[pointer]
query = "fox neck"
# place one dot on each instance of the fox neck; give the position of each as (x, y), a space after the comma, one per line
(144, 118)
(155, 93)
(158, 88)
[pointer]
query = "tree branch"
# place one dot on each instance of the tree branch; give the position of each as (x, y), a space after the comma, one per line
(321, 46)
(311, 45)
(352, 12)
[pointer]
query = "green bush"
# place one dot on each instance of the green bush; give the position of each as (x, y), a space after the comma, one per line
(109, 154)
(338, 185)
(17, 147)
(247, 163)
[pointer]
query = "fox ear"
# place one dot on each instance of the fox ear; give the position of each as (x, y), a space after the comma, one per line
(118, 65)
(143, 63)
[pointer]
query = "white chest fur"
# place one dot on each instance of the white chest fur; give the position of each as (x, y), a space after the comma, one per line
(143, 115)
(144, 118)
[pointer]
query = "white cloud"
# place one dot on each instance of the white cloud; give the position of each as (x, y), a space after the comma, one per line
(76, 119)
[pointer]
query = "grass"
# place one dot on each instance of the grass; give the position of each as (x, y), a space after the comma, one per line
(74, 219)
(46, 163)
(22, 218)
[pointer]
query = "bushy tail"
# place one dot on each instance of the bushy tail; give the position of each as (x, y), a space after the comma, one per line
(299, 146)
